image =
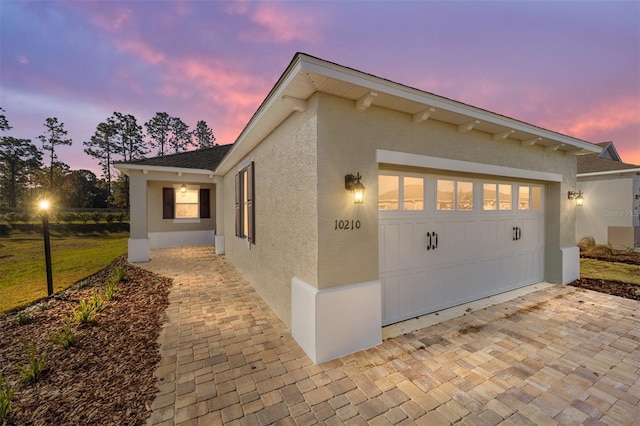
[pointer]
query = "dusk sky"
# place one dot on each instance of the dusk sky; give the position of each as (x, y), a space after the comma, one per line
(572, 67)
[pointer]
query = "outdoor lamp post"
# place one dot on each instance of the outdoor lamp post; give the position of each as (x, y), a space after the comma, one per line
(44, 207)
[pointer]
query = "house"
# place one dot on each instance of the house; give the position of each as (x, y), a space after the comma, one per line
(611, 188)
(459, 203)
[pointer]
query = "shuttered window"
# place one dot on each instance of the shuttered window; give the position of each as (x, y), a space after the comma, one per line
(168, 203)
(205, 205)
(202, 204)
(245, 203)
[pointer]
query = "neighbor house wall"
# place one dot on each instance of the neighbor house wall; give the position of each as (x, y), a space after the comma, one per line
(347, 143)
(286, 228)
(608, 203)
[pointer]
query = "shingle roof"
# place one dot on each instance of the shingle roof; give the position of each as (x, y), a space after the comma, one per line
(206, 159)
(591, 163)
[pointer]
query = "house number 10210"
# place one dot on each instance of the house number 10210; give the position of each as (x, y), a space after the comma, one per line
(345, 225)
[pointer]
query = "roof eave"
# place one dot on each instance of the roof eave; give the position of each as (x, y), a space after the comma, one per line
(146, 169)
(305, 63)
(609, 172)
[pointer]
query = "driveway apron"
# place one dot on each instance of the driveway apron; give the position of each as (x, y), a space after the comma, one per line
(560, 355)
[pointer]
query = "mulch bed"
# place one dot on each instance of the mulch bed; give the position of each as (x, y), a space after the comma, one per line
(616, 288)
(107, 376)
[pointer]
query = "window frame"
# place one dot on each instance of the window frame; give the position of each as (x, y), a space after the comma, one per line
(401, 186)
(245, 203)
(170, 201)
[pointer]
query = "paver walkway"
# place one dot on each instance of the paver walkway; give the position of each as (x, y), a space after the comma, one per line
(557, 356)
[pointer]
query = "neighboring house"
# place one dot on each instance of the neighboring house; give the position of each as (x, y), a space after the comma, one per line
(611, 189)
(459, 203)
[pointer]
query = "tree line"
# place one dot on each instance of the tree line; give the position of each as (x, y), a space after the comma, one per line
(29, 172)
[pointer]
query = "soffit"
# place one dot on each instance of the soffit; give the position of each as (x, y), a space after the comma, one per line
(307, 75)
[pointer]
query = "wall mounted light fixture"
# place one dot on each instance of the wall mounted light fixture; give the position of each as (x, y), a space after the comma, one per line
(183, 189)
(352, 183)
(577, 195)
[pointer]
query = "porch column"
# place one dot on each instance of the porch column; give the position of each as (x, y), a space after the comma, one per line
(219, 238)
(138, 246)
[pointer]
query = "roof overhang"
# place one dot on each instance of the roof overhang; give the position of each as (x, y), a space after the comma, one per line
(307, 75)
(146, 169)
(618, 172)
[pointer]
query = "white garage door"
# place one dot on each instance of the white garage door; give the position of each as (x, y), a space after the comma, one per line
(447, 240)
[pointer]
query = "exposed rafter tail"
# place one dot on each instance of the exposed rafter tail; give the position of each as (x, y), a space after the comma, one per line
(503, 135)
(365, 102)
(422, 116)
(465, 127)
(531, 142)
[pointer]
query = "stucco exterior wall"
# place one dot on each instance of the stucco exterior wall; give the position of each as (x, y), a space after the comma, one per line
(347, 143)
(608, 202)
(285, 212)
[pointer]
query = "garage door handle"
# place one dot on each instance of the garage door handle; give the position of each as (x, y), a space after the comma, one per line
(431, 245)
(517, 233)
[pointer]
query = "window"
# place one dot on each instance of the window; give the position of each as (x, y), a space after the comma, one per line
(400, 192)
(413, 190)
(187, 203)
(496, 196)
(454, 195)
(194, 203)
(245, 203)
(388, 192)
(530, 198)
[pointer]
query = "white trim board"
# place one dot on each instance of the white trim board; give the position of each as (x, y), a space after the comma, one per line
(425, 161)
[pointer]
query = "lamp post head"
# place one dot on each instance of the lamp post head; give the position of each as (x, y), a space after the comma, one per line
(44, 205)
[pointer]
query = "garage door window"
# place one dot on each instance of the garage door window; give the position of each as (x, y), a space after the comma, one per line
(529, 198)
(397, 192)
(413, 197)
(496, 196)
(454, 195)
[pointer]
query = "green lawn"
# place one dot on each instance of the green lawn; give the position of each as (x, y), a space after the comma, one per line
(74, 256)
(591, 268)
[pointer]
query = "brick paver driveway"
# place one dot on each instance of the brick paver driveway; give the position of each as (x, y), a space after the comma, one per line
(556, 356)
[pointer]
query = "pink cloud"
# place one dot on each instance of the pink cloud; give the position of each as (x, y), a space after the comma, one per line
(221, 90)
(286, 25)
(23, 60)
(607, 117)
(141, 50)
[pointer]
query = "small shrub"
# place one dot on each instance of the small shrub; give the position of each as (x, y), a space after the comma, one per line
(23, 318)
(6, 393)
(12, 218)
(31, 372)
(96, 217)
(67, 336)
(68, 217)
(111, 290)
(96, 301)
(122, 217)
(84, 217)
(109, 218)
(85, 312)
(24, 218)
(117, 273)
